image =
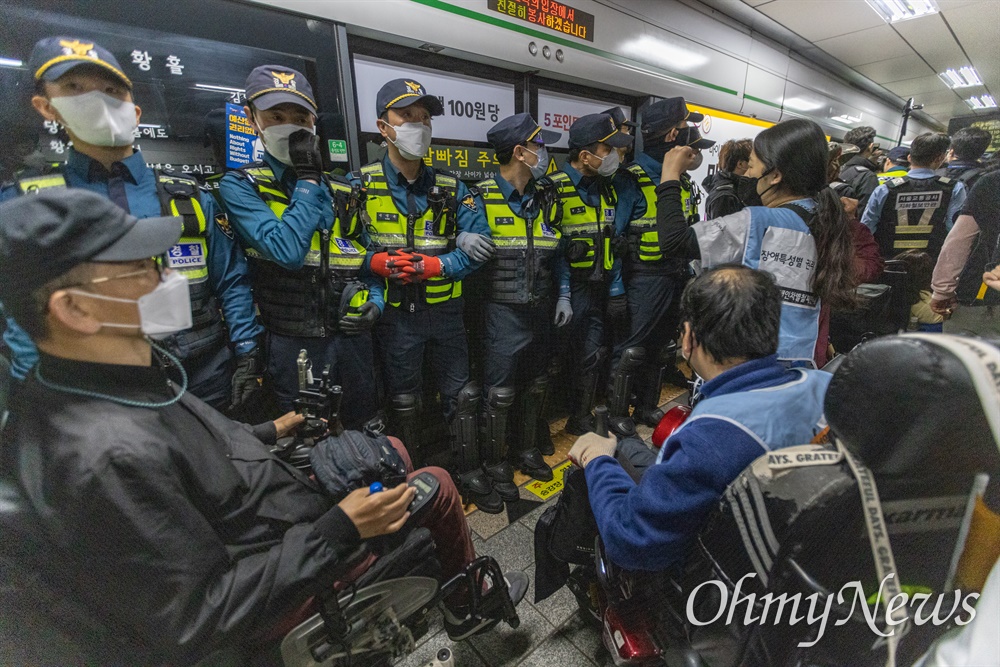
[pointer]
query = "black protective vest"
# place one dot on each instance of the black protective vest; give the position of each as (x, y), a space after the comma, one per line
(179, 195)
(521, 270)
(914, 215)
(305, 302)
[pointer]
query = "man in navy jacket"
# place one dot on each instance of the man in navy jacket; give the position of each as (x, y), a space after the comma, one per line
(750, 404)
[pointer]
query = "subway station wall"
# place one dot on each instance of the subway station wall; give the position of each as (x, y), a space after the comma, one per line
(638, 47)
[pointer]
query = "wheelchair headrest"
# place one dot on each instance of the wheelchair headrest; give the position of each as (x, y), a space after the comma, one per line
(919, 404)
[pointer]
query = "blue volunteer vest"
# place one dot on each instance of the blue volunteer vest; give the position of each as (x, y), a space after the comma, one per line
(779, 242)
(783, 416)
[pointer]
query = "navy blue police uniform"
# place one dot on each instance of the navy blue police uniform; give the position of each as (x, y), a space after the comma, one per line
(424, 216)
(205, 255)
(306, 254)
(523, 279)
(587, 215)
(653, 278)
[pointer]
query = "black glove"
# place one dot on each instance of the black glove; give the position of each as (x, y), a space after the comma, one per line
(303, 150)
(617, 307)
(355, 324)
(247, 378)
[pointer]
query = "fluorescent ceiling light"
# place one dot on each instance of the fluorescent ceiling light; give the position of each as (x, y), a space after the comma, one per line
(965, 77)
(801, 104)
(10, 62)
(220, 89)
(984, 102)
(672, 57)
(893, 11)
(844, 118)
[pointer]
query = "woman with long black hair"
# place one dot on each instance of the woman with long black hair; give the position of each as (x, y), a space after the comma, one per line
(800, 235)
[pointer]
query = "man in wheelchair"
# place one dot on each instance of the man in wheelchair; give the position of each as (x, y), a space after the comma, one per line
(750, 404)
(173, 525)
(877, 539)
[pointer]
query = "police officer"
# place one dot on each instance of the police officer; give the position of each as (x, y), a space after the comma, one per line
(81, 86)
(586, 214)
(305, 248)
(897, 163)
(524, 275)
(625, 126)
(917, 210)
(427, 233)
(653, 279)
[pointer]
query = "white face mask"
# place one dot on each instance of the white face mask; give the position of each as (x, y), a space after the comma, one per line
(275, 140)
(98, 118)
(540, 167)
(164, 311)
(609, 163)
(412, 140)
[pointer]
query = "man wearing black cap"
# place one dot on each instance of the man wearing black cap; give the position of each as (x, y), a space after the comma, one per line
(527, 272)
(82, 87)
(306, 249)
(653, 279)
(427, 233)
(176, 523)
(897, 163)
(587, 214)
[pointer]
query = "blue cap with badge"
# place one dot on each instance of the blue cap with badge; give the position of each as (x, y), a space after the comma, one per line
(662, 115)
(597, 128)
(401, 93)
(518, 129)
(54, 56)
(270, 85)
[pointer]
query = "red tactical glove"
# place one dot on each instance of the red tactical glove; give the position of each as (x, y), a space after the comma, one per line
(421, 268)
(390, 264)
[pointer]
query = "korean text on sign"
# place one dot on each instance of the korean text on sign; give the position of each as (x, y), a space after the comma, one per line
(550, 14)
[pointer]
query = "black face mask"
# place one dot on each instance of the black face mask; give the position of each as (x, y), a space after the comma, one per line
(746, 190)
(658, 150)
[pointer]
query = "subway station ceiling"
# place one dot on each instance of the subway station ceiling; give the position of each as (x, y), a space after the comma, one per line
(904, 57)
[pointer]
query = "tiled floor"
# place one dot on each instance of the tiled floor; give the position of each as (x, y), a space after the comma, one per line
(551, 633)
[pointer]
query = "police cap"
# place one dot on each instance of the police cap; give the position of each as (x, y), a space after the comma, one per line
(270, 85)
(597, 128)
(619, 116)
(690, 136)
(665, 114)
(517, 129)
(44, 235)
(900, 154)
(401, 93)
(54, 56)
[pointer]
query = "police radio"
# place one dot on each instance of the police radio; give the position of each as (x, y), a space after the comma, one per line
(444, 210)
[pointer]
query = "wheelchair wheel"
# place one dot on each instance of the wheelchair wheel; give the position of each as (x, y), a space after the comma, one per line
(374, 621)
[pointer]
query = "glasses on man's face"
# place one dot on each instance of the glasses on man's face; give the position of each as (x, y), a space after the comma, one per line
(149, 265)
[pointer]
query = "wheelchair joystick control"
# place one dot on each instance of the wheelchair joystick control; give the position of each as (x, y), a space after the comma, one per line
(601, 420)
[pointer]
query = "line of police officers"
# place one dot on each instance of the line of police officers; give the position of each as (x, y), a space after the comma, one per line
(300, 259)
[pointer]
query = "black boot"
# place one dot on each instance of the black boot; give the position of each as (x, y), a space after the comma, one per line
(502, 477)
(647, 416)
(620, 394)
(476, 487)
(531, 463)
(473, 483)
